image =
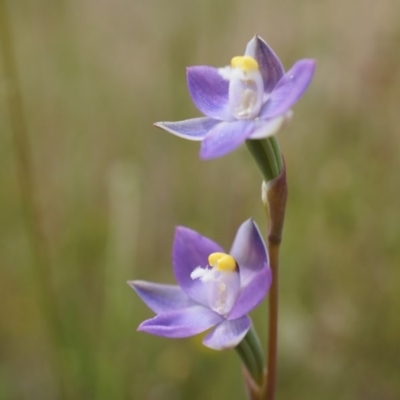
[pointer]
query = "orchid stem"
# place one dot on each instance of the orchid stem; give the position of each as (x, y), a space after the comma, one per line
(273, 250)
(41, 264)
(268, 157)
(266, 154)
(250, 351)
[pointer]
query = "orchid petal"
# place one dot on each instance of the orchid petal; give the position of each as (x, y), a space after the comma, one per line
(209, 92)
(191, 250)
(225, 137)
(191, 129)
(181, 323)
(268, 62)
(270, 127)
(228, 334)
(161, 298)
(253, 292)
(249, 251)
(289, 89)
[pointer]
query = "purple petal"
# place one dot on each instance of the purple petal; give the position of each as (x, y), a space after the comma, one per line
(249, 251)
(225, 137)
(181, 323)
(252, 293)
(289, 89)
(161, 298)
(191, 250)
(209, 92)
(192, 129)
(228, 334)
(270, 66)
(266, 128)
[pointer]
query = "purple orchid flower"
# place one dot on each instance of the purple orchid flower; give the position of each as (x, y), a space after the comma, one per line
(251, 99)
(216, 290)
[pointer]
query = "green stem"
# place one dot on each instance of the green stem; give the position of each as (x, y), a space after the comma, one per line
(277, 153)
(267, 156)
(41, 263)
(250, 352)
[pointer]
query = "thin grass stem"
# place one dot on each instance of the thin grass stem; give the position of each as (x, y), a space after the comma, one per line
(41, 266)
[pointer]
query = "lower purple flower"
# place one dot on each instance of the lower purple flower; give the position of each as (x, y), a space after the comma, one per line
(216, 291)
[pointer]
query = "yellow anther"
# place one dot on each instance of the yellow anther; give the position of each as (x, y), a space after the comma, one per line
(245, 63)
(222, 261)
(213, 258)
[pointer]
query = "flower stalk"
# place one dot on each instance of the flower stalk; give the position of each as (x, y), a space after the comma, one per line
(274, 195)
(250, 352)
(267, 155)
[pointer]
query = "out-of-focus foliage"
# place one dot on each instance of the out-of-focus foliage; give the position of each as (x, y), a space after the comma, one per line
(94, 76)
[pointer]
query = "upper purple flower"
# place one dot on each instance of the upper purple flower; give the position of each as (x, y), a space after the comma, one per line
(216, 290)
(251, 99)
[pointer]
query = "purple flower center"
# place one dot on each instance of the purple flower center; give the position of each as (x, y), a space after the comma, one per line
(222, 282)
(246, 87)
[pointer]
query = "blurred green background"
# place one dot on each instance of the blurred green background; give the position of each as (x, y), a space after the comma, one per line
(94, 76)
